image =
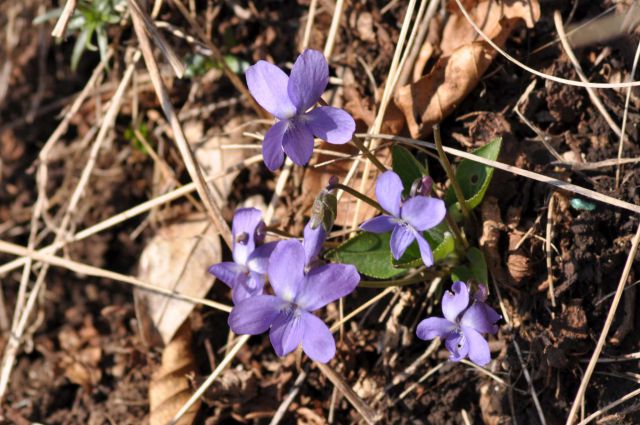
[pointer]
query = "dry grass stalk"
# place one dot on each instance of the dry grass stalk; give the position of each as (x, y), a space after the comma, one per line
(538, 73)
(63, 22)
(85, 269)
(215, 214)
(13, 344)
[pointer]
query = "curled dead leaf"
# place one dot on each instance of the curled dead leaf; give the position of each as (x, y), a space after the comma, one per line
(464, 60)
(170, 387)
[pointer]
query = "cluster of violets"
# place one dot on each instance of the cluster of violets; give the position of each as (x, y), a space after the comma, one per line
(300, 281)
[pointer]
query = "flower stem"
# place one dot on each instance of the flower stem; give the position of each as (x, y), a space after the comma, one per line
(369, 154)
(451, 174)
(360, 196)
(457, 233)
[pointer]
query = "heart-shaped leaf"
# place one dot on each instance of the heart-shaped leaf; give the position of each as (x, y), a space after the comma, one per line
(473, 177)
(406, 166)
(370, 253)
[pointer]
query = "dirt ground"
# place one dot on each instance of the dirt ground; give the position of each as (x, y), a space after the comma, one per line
(82, 356)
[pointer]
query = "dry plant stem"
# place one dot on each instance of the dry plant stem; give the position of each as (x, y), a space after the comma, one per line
(457, 232)
(13, 344)
(361, 197)
(235, 80)
(280, 185)
(549, 237)
(164, 168)
(416, 45)
(451, 174)
(293, 392)
(532, 390)
(333, 30)
(605, 330)
(587, 193)
(610, 406)
(625, 115)
(41, 177)
(167, 51)
(126, 215)
(557, 19)
(535, 72)
(368, 414)
(85, 269)
(63, 21)
(215, 214)
(386, 97)
(211, 379)
(313, 5)
(370, 156)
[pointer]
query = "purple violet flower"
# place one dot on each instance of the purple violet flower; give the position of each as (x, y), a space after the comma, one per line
(287, 314)
(288, 99)
(463, 324)
(408, 219)
(246, 275)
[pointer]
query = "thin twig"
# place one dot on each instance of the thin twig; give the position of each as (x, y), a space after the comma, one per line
(63, 21)
(587, 193)
(549, 237)
(128, 214)
(193, 168)
(88, 270)
(625, 115)
(557, 19)
(451, 174)
(368, 414)
(553, 78)
(605, 329)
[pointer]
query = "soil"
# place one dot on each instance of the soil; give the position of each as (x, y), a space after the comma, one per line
(83, 359)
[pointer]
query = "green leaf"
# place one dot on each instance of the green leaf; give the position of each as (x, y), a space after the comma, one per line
(475, 269)
(406, 166)
(370, 253)
(78, 49)
(473, 177)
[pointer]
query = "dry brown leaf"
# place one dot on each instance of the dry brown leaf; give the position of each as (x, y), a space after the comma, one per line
(463, 62)
(177, 258)
(170, 387)
(487, 15)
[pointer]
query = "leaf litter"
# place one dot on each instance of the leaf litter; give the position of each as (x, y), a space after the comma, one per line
(85, 347)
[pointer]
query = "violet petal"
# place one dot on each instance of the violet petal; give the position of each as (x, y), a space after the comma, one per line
(380, 224)
(389, 192)
(317, 342)
(272, 150)
(425, 250)
(254, 315)
(326, 284)
(401, 238)
(309, 78)
(286, 332)
(334, 125)
(297, 142)
(268, 86)
(423, 212)
(286, 269)
(454, 303)
(478, 350)
(432, 327)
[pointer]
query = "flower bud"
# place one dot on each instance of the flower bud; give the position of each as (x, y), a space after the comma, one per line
(324, 210)
(422, 186)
